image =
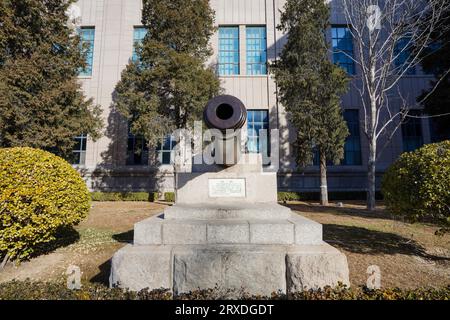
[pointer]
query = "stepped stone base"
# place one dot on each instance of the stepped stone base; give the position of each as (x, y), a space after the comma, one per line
(161, 231)
(253, 269)
(226, 230)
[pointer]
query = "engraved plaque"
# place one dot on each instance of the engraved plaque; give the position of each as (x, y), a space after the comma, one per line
(227, 188)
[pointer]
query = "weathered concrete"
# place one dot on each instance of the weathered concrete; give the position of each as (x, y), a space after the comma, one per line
(314, 267)
(232, 210)
(295, 230)
(140, 267)
(253, 269)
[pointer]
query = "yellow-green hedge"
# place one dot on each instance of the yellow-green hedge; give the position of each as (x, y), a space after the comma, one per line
(40, 194)
(418, 184)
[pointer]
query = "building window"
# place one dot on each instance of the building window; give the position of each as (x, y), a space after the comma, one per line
(402, 54)
(343, 48)
(256, 50)
(87, 35)
(138, 39)
(352, 146)
(228, 51)
(438, 129)
(137, 150)
(412, 132)
(257, 120)
(79, 150)
(165, 150)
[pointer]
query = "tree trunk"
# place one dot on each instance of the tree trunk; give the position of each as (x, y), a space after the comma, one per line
(323, 180)
(371, 200)
(4, 262)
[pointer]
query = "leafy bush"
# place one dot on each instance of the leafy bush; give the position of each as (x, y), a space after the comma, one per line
(40, 194)
(27, 290)
(169, 196)
(315, 196)
(123, 196)
(417, 185)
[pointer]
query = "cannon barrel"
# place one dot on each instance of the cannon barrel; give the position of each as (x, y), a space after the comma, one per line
(226, 113)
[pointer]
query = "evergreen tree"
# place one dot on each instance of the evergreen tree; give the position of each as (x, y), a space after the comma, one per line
(41, 102)
(169, 85)
(436, 61)
(310, 86)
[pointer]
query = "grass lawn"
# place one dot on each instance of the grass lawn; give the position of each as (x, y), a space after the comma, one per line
(409, 255)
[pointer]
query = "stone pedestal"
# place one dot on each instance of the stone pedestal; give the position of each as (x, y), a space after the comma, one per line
(226, 230)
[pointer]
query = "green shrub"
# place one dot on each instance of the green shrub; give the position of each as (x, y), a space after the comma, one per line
(417, 185)
(27, 290)
(40, 194)
(289, 196)
(333, 196)
(169, 196)
(123, 196)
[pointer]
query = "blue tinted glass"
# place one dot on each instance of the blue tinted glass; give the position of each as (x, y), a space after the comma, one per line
(256, 50)
(342, 42)
(352, 148)
(402, 53)
(256, 121)
(412, 132)
(87, 36)
(138, 38)
(228, 50)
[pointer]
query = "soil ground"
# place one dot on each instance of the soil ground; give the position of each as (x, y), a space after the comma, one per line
(409, 255)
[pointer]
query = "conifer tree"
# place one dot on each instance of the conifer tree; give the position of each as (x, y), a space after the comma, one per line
(170, 83)
(310, 86)
(41, 102)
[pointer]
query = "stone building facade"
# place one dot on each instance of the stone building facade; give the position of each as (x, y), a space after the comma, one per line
(246, 38)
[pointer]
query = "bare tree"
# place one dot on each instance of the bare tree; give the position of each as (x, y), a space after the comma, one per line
(383, 32)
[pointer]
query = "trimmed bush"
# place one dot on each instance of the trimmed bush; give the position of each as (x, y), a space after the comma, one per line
(333, 196)
(417, 185)
(169, 196)
(123, 196)
(40, 195)
(27, 290)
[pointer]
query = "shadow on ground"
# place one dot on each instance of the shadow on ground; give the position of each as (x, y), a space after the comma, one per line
(103, 276)
(124, 237)
(105, 268)
(354, 212)
(365, 241)
(64, 238)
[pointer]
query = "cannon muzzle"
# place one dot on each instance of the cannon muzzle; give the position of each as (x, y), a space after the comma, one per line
(226, 113)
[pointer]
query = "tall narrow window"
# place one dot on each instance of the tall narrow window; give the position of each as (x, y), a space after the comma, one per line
(228, 51)
(79, 150)
(256, 50)
(412, 132)
(165, 150)
(87, 35)
(257, 120)
(138, 39)
(352, 146)
(402, 54)
(137, 150)
(438, 128)
(343, 48)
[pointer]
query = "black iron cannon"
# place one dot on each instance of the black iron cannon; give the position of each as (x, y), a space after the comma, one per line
(228, 115)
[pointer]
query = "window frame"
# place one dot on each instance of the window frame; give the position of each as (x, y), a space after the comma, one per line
(235, 53)
(254, 135)
(262, 52)
(347, 52)
(417, 122)
(138, 41)
(81, 151)
(88, 71)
